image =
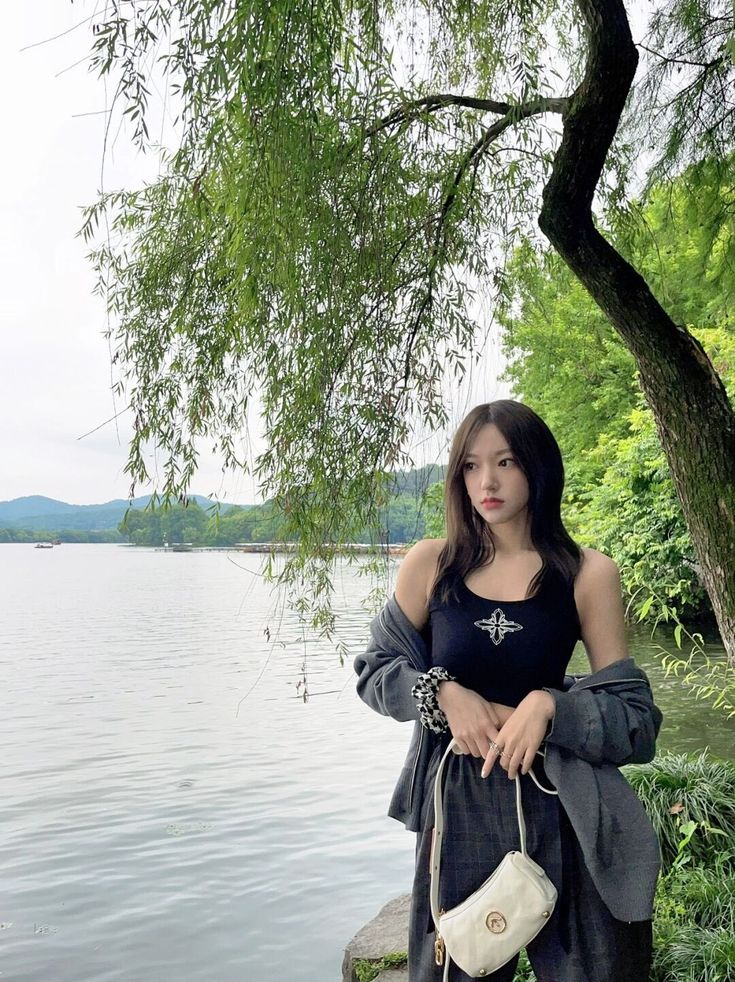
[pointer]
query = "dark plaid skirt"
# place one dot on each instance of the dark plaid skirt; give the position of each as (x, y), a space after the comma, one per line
(582, 942)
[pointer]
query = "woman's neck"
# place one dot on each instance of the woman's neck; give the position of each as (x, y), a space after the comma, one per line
(512, 538)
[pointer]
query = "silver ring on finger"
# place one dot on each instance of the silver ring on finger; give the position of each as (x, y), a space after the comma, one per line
(494, 747)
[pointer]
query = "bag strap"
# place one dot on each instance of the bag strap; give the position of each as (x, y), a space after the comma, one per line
(436, 842)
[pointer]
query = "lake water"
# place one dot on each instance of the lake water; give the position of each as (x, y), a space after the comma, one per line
(172, 808)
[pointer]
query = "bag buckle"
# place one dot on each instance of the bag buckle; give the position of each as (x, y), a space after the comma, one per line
(439, 950)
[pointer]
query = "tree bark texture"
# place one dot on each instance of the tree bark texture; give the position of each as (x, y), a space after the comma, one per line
(693, 415)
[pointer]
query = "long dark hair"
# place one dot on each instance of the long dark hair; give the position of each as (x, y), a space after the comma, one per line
(469, 538)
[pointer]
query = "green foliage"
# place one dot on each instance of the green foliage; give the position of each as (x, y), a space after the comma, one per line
(688, 67)
(565, 360)
(167, 524)
(568, 363)
(65, 535)
(433, 504)
(257, 524)
(524, 972)
(366, 970)
(681, 237)
(416, 482)
(691, 802)
(632, 513)
(694, 917)
(707, 678)
(304, 244)
(316, 244)
(678, 788)
(402, 520)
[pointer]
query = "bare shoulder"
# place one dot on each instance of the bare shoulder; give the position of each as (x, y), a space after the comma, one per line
(426, 550)
(415, 578)
(597, 570)
(420, 561)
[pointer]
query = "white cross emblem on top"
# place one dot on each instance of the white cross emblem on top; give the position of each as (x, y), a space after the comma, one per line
(497, 626)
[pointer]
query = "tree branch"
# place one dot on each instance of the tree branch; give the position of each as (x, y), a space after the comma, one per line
(707, 65)
(472, 157)
(432, 103)
(566, 215)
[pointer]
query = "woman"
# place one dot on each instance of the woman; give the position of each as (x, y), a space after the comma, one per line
(474, 645)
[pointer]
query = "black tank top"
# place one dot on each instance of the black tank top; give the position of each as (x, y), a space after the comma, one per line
(504, 649)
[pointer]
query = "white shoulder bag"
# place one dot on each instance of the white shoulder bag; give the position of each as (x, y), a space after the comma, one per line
(510, 908)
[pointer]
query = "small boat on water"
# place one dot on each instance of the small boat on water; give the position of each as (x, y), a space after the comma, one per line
(44, 545)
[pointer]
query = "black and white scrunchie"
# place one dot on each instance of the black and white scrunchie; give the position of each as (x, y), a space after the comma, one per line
(425, 691)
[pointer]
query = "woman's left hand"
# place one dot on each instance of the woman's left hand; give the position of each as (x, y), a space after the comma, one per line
(522, 734)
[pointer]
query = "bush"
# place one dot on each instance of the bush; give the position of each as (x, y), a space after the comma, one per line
(679, 788)
(691, 802)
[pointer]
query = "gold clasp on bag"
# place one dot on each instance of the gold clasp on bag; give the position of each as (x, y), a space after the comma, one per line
(439, 950)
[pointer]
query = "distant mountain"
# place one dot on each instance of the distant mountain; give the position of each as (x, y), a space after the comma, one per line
(37, 512)
(415, 482)
(34, 504)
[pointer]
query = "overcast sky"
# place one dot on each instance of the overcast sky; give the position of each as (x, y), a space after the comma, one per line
(54, 360)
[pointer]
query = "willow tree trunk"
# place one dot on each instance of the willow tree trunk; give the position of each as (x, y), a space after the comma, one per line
(693, 415)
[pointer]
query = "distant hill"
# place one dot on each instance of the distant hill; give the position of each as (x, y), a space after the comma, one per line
(38, 512)
(415, 482)
(34, 504)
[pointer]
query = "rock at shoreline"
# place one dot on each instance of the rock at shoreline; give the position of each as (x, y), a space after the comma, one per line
(385, 934)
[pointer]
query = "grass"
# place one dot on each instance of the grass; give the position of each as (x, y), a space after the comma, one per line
(691, 801)
(678, 788)
(366, 971)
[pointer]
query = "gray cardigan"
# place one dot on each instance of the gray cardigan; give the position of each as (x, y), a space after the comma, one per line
(602, 720)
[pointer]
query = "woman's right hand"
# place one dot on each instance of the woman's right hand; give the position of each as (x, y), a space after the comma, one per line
(473, 721)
